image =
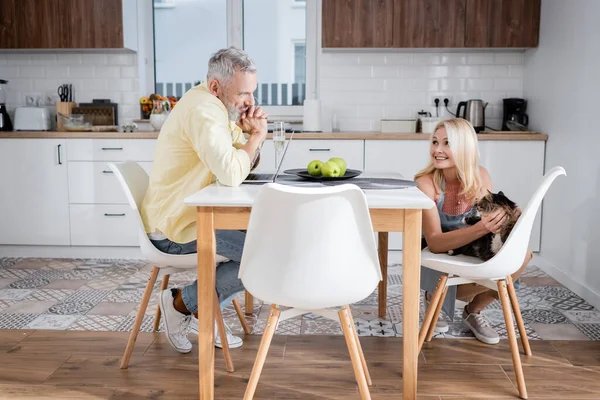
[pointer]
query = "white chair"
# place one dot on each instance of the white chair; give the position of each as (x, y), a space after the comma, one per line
(134, 182)
(494, 274)
(319, 254)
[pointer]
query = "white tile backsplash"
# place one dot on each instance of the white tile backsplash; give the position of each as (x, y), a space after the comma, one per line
(359, 89)
(94, 75)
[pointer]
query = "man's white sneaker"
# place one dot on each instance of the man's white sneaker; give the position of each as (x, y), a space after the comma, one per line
(233, 341)
(441, 326)
(176, 324)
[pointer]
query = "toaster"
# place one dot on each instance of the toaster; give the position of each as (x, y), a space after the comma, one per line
(32, 119)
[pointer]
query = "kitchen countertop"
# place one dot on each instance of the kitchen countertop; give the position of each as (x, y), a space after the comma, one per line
(300, 135)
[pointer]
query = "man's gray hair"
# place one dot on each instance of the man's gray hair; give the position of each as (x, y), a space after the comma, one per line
(225, 62)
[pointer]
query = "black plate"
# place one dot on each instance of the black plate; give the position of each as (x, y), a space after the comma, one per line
(303, 173)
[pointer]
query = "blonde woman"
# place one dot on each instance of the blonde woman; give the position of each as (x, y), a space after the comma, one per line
(454, 180)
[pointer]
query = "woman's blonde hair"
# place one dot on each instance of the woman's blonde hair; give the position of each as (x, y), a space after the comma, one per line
(463, 143)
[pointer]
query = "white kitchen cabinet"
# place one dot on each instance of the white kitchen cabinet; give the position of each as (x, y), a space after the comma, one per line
(34, 199)
(406, 157)
(103, 225)
(111, 149)
(516, 167)
(92, 182)
(301, 152)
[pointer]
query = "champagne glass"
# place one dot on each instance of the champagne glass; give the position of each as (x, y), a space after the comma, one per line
(278, 141)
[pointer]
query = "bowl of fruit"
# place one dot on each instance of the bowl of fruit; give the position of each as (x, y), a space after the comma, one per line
(147, 103)
(333, 169)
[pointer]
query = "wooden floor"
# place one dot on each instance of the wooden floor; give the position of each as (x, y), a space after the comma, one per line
(85, 365)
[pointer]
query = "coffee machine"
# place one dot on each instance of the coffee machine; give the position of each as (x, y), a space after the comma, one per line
(514, 116)
(5, 122)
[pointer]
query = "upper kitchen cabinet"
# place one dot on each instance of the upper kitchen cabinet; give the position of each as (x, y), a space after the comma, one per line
(68, 24)
(357, 23)
(502, 23)
(429, 23)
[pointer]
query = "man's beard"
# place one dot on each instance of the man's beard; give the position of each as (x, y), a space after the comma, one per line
(232, 112)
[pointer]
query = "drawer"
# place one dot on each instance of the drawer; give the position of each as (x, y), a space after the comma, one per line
(301, 152)
(103, 225)
(110, 149)
(93, 182)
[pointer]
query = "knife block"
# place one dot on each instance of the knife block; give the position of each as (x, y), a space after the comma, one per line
(65, 108)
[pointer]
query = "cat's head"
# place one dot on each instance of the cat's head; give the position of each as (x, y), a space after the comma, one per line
(492, 201)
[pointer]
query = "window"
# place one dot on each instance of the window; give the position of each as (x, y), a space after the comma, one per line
(185, 36)
(270, 34)
(273, 32)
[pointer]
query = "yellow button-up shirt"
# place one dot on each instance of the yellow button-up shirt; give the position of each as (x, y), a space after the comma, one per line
(196, 146)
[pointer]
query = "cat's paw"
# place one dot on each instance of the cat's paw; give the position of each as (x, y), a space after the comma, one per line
(450, 252)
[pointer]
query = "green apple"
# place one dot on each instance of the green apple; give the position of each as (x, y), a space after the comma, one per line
(314, 167)
(331, 169)
(341, 162)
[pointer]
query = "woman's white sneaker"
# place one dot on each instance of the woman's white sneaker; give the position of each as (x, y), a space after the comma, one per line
(233, 341)
(480, 327)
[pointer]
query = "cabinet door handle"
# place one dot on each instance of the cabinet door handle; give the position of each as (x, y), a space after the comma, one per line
(114, 215)
(59, 157)
(319, 149)
(107, 172)
(112, 148)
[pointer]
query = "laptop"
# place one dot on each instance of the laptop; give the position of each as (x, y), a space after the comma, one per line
(266, 178)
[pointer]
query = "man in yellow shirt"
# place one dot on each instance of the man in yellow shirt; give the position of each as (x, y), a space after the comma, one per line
(214, 133)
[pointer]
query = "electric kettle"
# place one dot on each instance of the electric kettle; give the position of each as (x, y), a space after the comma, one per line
(474, 112)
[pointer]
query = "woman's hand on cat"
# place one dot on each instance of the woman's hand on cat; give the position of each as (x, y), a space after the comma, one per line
(493, 222)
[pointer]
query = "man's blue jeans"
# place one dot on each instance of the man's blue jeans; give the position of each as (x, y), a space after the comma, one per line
(229, 245)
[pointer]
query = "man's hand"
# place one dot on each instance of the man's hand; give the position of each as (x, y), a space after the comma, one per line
(254, 121)
(494, 222)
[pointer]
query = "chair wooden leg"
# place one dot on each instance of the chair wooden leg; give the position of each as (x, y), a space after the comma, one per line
(512, 338)
(438, 310)
(223, 336)
(360, 350)
(249, 303)
(163, 286)
(240, 314)
(359, 372)
(428, 320)
(518, 317)
(265, 343)
(139, 318)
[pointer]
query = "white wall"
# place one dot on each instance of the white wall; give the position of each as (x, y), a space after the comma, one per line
(563, 90)
(358, 89)
(94, 75)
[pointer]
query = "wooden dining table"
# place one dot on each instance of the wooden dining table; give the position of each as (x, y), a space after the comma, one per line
(220, 207)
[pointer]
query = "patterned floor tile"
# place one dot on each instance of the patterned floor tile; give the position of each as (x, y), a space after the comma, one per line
(6, 303)
(32, 263)
(14, 294)
(288, 327)
(97, 323)
(92, 296)
(30, 283)
(100, 283)
(321, 326)
(71, 308)
(5, 282)
(365, 313)
(394, 279)
(16, 321)
(592, 331)
(544, 317)
(374, 328)
(533, 271)
(371, 299)
(127, 323)
(105, 308)
(72, 284)
(10, 273)
(394, 314)
(54, 322)
(583, 317)
(125, 296)
(559, 332)
(55, 295)
(29, 307)
(6, 262)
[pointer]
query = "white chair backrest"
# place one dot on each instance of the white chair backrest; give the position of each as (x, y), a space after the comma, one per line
(134, 181)
(512, 254)
(310, 248)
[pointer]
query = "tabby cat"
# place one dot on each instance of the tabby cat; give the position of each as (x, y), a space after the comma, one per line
(488, 245)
